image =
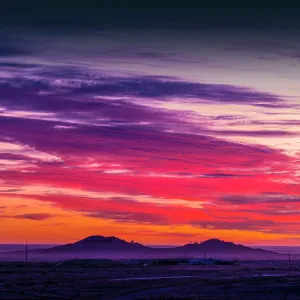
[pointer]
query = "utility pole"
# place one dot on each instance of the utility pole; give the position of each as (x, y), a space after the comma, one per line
(26, 253)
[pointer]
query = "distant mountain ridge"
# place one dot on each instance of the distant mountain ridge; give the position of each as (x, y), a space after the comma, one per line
(97, 246)
(113, 246)
(98, 243)
(216, 246)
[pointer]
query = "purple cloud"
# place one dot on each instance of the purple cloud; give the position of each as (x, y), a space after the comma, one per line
(256, 225)
(252, 133)
(134, 141)
(262, 198)
(69, 86)
(33, 216)
(129, 217)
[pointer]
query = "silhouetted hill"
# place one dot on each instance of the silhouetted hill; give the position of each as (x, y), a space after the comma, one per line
(215, 247)
(113, 247)
(100, 245)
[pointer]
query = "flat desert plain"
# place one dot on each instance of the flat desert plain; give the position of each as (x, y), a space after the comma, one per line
(250, 280)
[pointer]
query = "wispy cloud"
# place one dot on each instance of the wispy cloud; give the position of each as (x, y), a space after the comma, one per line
(32, 216)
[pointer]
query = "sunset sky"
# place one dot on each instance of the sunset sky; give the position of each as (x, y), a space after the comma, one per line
(161, 135)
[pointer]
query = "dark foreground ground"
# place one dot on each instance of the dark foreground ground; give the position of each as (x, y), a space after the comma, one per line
(250, 280)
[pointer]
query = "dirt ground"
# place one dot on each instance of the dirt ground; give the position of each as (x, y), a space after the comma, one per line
(250, 280)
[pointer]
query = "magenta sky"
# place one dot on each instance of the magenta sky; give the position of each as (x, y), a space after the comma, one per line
(164, 136)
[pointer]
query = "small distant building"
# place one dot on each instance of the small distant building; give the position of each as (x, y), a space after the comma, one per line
(204, 261)
(211, 261)
(176, 261)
